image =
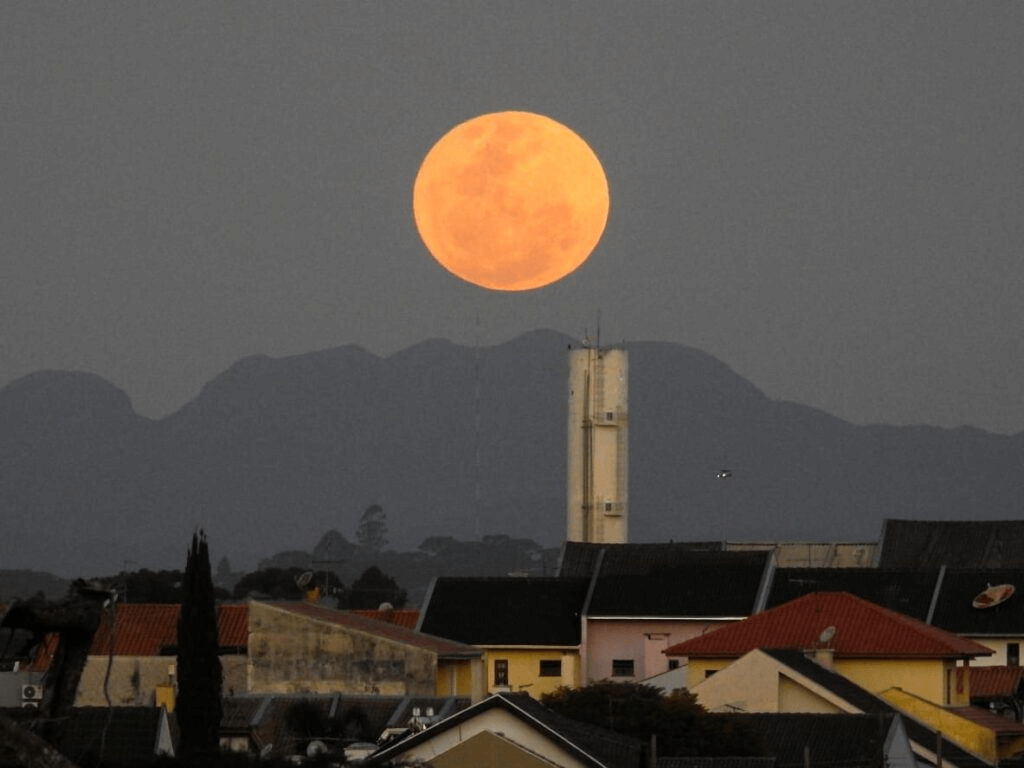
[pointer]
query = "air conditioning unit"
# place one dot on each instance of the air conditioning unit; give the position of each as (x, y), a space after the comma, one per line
(31, 692)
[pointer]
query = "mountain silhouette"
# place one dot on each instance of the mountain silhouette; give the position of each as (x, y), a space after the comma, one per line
(454, 441)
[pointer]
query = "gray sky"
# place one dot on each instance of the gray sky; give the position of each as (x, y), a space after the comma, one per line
(829, 197)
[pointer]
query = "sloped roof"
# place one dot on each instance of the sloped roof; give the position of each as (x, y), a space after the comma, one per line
(443, 647)
(905, 591)
(130, 734)
(506, 611)
(580, 558)
(850, 740)
(864, 701)
(954, 610)
(695, 584)
(147, 629)
(995, 682)
(953, 543)
(403, 618)
(862, 630)
(1002, 726)
(594, 746)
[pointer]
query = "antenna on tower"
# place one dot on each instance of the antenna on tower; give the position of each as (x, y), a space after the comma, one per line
(599, 328)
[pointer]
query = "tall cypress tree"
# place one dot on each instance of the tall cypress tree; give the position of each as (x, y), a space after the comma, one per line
(198, 706)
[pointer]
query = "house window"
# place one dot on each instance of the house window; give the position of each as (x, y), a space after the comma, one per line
(1013, 654)
(622, 667)
(709, 672)
(673, 663)
(501, 672)
(551, 668)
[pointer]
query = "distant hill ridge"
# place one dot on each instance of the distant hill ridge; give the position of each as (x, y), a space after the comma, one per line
(272, 452)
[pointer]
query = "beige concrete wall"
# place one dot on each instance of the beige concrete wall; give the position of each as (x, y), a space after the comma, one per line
(598, 446)
(794, 697)
(494, 721)
(133, 679)
(289, 653)
(488, 750)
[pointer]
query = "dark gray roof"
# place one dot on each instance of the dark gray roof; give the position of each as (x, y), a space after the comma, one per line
(956, 544)
(579, 559)
(130, 735)
(853, 741)
(866, 702)
(595, 746)
(716, 762)
(343, 716)
(505, 611)
(955, 613)
(908, 592)
(692, 584)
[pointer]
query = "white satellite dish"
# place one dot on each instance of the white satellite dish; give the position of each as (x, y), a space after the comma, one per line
(826, 635)
(304, 579)
(315, 748)
(993, 596)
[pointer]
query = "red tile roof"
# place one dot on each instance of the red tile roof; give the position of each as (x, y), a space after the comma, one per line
(991, 682)
(144, 629)
(862, 630)
(352, 620)
(1003, 726)
(403, 618)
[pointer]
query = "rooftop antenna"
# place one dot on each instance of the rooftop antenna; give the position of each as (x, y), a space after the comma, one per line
(598, 328)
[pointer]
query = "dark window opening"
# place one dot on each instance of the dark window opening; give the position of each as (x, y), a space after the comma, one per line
(1013, 654)
(709, 672)
(673, 663)
(551, 668)
(501, 672)
(622, 667)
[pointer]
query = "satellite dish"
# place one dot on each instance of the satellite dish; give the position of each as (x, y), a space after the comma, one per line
(826, 635)
(304, 579)
(266, 750)
(315, 748)
(993, 596)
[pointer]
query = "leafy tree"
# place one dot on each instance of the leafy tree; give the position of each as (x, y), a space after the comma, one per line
(198, 706)
(373, 528)
(333, 546)
(682, 726)
(277, 583)
(374, 587)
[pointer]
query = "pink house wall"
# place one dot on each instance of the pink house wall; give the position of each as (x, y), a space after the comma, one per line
(641, 640)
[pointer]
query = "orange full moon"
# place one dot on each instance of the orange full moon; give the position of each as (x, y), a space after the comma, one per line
(510, 201)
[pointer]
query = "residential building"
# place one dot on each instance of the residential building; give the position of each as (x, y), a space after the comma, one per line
(870, 645)
(300, 647)
(132, 658)
(789, 680)
(514, 731)
(528, 628)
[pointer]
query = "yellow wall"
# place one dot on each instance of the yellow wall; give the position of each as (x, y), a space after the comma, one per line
(965, 733)
(922, 677)
(524, 669)
(455, 678)
(698, 669)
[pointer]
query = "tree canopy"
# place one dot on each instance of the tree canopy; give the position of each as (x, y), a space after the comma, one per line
(198, 706)
(682, 726)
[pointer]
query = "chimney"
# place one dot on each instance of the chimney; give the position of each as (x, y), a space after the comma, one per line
(824, 657)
